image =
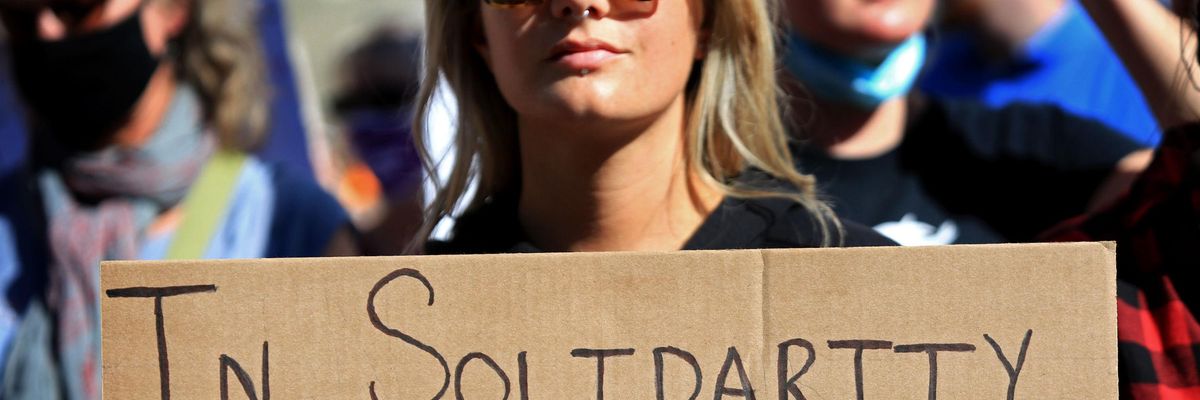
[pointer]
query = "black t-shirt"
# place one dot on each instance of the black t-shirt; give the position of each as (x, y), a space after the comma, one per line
(966, 173)
(735, 224)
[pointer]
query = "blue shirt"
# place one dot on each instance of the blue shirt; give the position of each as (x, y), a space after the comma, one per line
(257, 223)
(9, 268)
(244, 229)
(1068, 64)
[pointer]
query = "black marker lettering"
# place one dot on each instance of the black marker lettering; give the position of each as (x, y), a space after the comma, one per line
(599, 355)
(658, 370)
(859, 346)
(732, 358)
(787, 385)
(411, 273)
(1013, 373)
(523, 375)
(164, 368)
(228, 363)
(462, 364)
(933, 349)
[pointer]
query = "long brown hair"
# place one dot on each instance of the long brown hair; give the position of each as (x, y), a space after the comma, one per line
(733, 120)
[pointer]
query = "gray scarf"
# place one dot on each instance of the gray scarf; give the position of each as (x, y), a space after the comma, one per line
(134, 186)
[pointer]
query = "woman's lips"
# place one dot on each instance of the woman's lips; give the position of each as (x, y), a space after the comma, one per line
(589, 59)
(583, 54)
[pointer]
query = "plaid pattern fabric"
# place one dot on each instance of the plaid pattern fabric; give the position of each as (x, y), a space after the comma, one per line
(1157, 229)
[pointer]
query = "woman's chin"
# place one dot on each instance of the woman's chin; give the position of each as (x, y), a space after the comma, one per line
(871, 41)
(578, 101)
(891, 26)
(889, 36)
(581, 114)
(577, 114)
(602, 100)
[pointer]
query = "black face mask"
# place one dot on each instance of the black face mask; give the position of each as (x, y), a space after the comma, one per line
(81, 89)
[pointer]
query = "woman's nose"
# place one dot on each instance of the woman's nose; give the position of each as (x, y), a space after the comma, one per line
(580, 9)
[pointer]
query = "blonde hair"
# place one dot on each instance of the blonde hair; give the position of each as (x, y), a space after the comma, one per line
(218, 53)
(733, 122)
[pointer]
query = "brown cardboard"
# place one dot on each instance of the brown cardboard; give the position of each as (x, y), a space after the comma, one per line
(545, 321)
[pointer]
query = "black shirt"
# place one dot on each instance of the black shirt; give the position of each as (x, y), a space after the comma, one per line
(735, 224)
(966, 173)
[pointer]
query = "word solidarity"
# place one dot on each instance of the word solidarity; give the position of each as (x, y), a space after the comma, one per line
(983, 322)
(788, 383)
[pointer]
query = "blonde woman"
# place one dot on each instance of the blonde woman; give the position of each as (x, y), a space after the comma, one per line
(607, 125)
(143, 114)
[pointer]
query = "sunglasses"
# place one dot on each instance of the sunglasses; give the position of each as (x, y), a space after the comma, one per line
(639, 5)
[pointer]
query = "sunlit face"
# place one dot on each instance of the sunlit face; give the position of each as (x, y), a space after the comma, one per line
(626, 61)
(859, 27)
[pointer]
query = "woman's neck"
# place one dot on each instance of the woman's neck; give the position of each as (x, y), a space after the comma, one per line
(598, 187)
(849, 133)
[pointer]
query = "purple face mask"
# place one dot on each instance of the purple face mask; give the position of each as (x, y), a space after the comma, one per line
(384, 141)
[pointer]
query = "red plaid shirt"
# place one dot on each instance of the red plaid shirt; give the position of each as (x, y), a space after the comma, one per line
(1157, 229)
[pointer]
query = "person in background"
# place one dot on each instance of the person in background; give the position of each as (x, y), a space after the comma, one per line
(607, 125)
(143, 114)
(1035, 51)
(286, 143)
(926, 170)
(380, 79)
(1157, 223)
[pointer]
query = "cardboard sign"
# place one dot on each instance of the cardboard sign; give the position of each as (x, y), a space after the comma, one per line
(969, 322)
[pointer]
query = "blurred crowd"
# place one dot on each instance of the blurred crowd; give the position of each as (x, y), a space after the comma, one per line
(181, 129)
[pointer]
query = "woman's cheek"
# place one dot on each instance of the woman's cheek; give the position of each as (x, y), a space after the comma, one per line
(675, 60)
(515, 75)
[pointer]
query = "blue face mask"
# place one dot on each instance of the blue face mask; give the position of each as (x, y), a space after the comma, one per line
(846, 80)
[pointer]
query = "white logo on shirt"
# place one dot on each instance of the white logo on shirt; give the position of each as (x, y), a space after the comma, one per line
(911, 232)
